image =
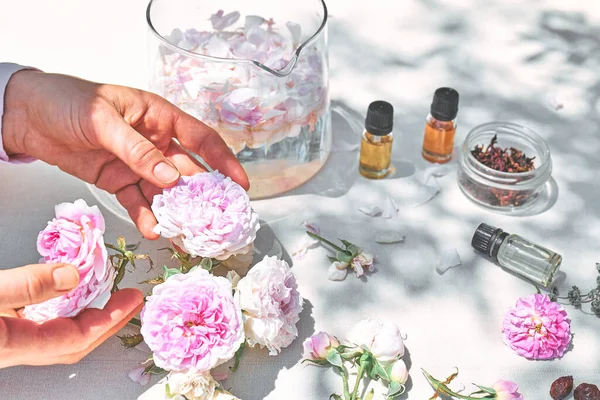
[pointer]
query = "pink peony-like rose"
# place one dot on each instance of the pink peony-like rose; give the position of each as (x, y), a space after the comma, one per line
(207, 215)
(507, 390)
(75, 237)
(537, 328)
(191, 322)
(271, 304)
(319, 345)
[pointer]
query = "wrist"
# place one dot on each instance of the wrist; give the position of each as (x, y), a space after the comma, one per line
(15, 119)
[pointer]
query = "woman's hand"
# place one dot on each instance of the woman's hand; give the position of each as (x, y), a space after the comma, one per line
(61, 340)
(118, 138)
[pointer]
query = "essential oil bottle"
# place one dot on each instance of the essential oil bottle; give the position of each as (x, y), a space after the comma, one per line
(517, 254)
(440, 126)
(376, 144)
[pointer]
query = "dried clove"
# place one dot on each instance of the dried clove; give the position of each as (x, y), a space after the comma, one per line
(561, 387)
(587, 391)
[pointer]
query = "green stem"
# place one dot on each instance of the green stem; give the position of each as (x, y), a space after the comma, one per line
(345, 382)
(361, 373)
(115, 248)
(440, 388)
(322, 239)
(238, 357)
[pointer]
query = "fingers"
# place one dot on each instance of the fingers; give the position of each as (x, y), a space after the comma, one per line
(204, 141)
(35, 283)
(65, 340)
(139, 153)
(139, 210)
(75, 357)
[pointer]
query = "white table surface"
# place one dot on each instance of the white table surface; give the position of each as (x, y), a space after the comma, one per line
(504, 57)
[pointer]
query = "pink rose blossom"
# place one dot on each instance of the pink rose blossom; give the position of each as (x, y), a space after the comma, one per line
(507, 390)
(271, 304)
(319, 345)
(75, 237)
(191, 322)
(207, 215)
(537, 328)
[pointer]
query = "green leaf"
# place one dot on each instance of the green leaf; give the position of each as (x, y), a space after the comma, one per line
(370, 395)
(486, 389)
(130, 341)
(154, 370)
(132, 247)
(169, 272)
(353, 250)
(395, 389)
(344, 256)
(332, 259)
(154, 281)
(120, 274)
(382, 372)
(206, 264)
(346, 243)
(315, 362)
(335, 397)
(335, 358)
(121, 242)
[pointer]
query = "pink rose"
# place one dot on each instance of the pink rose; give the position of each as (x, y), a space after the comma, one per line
(271, 304)
(537, 328)
(191, 322)
(75, 237)
(319, 345)
(207, 215)
(507, 390)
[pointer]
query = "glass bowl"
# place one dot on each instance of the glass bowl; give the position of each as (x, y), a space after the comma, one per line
(256, 72)
(504, 192)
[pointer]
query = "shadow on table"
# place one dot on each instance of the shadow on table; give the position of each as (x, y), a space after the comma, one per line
(259, 371)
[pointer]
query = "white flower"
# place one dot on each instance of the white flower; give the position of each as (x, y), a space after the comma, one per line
(337, 271)
(224, 395)
(362, 261)
(382, 339)
(192, 385)
(270, 303)
(399, 372)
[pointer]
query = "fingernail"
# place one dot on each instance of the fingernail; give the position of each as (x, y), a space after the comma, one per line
(65, 277)
(165, 173)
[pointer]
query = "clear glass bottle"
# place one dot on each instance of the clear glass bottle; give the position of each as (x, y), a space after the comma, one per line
(440, 126)
(517, 254)
(377, 139)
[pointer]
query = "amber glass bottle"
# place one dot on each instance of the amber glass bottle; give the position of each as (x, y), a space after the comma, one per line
(376, 144)
(440, 126)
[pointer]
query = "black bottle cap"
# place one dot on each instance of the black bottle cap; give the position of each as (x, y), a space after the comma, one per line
(485, 239)
(445, 104)
(380, 118)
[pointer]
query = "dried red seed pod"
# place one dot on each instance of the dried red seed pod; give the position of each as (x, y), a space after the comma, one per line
(587, 391)
(561, 387)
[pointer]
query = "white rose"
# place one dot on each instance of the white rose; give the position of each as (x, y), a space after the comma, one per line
(382, 339)
(223, 395)
(399, 372)
(270, 303)
(192, 385)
